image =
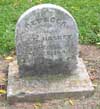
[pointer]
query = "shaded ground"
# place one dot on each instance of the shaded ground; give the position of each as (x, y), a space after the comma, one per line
(91, 56)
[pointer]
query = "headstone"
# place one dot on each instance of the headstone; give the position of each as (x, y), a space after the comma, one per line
(47, 64)
(46, 41)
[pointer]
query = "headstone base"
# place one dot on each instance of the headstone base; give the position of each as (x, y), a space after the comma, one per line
(47, 87)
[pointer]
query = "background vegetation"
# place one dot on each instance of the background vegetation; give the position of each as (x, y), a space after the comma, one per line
(86, 13)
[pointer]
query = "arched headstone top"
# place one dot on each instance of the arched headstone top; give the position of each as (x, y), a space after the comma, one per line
(42, 6)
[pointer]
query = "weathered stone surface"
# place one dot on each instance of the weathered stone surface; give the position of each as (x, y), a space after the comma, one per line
(47, 44)
(46, 41)
(47, 87)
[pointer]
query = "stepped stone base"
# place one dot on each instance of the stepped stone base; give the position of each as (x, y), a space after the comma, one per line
(46, 87)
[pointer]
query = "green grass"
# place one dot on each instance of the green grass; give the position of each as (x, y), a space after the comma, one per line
(86, 13)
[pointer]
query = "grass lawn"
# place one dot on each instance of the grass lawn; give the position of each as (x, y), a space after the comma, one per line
(86, 13)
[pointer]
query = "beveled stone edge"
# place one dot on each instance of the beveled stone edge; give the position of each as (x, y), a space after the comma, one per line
(48, 96)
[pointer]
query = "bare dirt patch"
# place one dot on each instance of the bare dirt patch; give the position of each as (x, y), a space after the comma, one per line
(91, 57)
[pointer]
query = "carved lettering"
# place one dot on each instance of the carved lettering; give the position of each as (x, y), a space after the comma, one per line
(48, 20)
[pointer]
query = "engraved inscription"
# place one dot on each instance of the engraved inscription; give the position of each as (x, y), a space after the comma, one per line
(50, 20)
(46, 19)
(48, 45)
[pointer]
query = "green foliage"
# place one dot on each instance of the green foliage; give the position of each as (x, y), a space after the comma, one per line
(86, 13)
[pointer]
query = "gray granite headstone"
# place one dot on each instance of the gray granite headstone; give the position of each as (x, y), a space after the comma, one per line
(47, 65)
(46, 41)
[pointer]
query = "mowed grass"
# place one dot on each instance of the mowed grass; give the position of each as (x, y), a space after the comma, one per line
(86, 13)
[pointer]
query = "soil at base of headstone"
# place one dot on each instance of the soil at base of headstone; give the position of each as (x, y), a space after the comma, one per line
(91, 57)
